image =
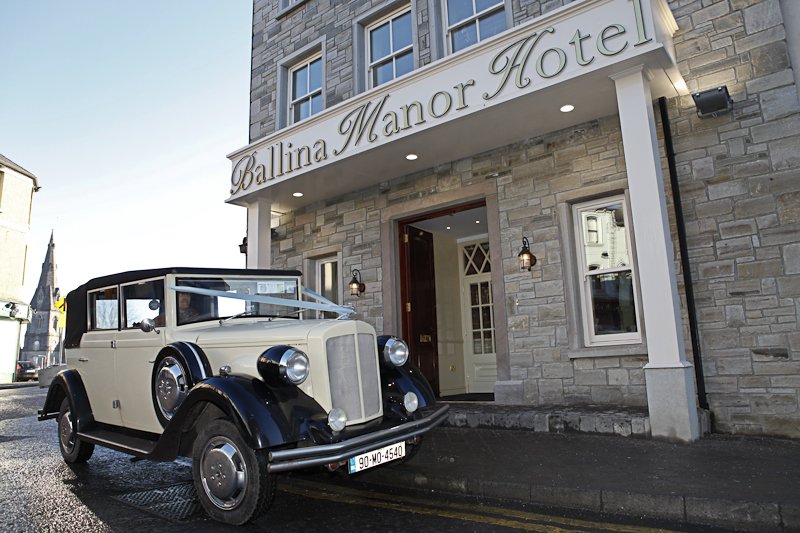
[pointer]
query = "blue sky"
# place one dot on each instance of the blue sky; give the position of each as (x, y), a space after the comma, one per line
(125, 111)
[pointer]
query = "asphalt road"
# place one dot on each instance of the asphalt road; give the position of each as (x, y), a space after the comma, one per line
(41, 493)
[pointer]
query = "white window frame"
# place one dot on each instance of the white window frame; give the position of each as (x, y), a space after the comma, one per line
(305, 63)
(393, 54)
(451, 28)
(318, 264)
(584, 273)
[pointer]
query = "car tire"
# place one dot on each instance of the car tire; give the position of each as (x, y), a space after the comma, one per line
(170, 385)
(230, 478)
(73, 450)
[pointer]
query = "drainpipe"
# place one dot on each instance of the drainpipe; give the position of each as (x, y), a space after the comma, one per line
(702, 399)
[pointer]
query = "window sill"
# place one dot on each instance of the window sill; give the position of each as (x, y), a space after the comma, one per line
(617, 350)
(289, 9)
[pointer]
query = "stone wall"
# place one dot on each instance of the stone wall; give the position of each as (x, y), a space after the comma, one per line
(740, 184)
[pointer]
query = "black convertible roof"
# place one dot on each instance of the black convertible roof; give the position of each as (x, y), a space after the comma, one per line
(76, 299)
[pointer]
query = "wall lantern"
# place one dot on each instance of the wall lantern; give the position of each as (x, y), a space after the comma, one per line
(526, 258)
(243, 246)
(356, 285)
(712, 102)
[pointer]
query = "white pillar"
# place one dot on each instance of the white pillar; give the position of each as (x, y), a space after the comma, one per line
(259, 239)
(671, 391)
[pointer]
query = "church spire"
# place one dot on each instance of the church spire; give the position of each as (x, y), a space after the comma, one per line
(42, 336)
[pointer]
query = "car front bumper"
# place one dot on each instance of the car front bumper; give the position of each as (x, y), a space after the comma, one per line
(293, 459)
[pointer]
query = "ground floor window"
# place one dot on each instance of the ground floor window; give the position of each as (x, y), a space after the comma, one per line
(607, 276)
(328, 282)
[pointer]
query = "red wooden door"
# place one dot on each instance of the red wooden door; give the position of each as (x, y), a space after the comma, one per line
(419, 302)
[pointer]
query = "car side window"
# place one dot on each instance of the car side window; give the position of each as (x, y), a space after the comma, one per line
(104, 309)
(144, 299)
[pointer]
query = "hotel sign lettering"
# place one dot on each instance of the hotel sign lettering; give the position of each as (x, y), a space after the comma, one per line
(526, 61)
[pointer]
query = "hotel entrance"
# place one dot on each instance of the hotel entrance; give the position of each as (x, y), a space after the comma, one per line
(447, 299)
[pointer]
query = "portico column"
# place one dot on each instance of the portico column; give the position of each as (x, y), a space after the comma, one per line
(671, 394)
(259, 239)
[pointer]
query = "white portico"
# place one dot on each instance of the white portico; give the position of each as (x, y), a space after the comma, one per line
(605, 57)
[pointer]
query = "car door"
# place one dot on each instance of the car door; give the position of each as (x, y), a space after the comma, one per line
(137, 350)
(95, 361)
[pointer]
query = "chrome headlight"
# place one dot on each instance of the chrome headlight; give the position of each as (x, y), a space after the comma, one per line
(410, 402)
(294, 366)
(283, 364)
(395, 351)
(337, 419)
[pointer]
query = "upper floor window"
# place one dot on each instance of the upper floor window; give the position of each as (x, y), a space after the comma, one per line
(471, 21)
(305, 89)
(390, 47)
(605, 267)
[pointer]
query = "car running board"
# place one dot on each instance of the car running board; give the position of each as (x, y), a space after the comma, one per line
(136, 446)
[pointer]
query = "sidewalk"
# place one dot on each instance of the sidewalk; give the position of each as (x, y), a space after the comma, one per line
(746, 483)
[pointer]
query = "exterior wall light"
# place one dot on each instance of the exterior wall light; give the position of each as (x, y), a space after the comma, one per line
(356, 285)
(526, 258)
(712, 102)
(243, 246)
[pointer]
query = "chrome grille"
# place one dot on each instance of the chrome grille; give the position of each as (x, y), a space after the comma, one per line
(369, 374)
(347, 389)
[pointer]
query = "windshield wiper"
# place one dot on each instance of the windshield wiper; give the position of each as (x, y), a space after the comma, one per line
(237, 315)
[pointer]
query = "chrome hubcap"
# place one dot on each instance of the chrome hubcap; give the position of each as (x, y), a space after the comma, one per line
(170, 386)
(223, 472)
(65, 432)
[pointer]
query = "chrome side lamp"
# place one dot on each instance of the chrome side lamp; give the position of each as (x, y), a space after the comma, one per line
(526, 258)
(712, 102)
(356, 285)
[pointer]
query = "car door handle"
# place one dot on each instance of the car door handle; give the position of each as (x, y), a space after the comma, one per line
(83, 359)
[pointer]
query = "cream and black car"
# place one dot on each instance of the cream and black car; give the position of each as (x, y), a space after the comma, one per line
(226, 367)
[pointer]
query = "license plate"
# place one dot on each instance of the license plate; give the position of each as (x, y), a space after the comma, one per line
(377, 457)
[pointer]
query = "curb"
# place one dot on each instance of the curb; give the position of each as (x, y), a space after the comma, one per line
(687, 510)
(19, 385)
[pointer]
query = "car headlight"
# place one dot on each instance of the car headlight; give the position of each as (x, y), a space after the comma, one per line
(395, 351)
(337, 419)
(294, 366)
(410, 402)
(284, 363)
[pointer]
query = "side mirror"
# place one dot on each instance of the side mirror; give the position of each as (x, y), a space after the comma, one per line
(147, 325)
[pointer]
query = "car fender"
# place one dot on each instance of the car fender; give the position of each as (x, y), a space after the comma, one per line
(68, 384)
(266, 416)
(399, 380)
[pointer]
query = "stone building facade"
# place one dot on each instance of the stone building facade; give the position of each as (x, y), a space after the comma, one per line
(534, 175)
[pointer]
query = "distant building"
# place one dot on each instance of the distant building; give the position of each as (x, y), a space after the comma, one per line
(17, 186)
(422, 142)
(42, 336)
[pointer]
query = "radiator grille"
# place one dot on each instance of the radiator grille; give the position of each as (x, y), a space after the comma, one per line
(347, 387)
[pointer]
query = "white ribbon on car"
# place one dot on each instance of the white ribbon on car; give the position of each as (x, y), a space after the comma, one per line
(324, 305)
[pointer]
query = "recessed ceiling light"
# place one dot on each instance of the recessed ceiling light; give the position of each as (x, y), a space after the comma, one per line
(567, 108)
(297, 194)
(411, 157)
(448, 227)
(477, 221)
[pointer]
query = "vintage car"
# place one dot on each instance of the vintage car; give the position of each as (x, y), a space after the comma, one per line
(222, 366)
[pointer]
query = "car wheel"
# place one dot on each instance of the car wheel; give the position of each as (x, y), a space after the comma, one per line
(230, 478)
(171, 384)
(73, 449)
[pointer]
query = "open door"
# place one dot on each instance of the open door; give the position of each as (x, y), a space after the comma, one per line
(418, 290)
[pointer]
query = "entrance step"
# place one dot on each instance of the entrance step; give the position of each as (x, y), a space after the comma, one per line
(609, 420)
(602, 419)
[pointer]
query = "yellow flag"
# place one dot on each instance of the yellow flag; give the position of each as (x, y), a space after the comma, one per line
(61, 305)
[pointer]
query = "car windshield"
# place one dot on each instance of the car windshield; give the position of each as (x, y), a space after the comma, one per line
(26, 365)
(221, 297)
